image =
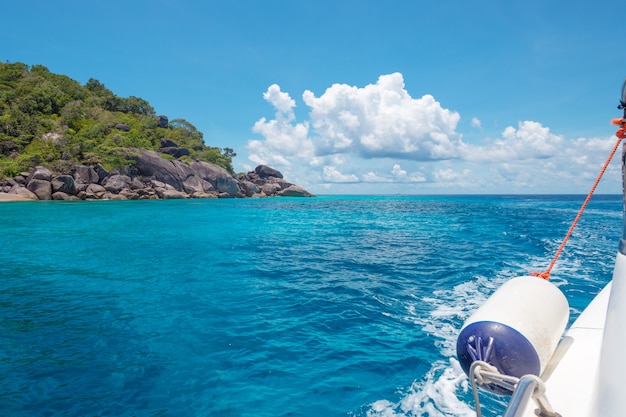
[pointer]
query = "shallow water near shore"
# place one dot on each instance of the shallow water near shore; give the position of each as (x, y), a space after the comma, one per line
(326, 306)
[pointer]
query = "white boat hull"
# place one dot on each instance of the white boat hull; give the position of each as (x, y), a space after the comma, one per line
(582, 383)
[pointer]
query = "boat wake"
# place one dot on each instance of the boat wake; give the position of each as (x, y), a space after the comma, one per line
(436, 395)
(441, 392)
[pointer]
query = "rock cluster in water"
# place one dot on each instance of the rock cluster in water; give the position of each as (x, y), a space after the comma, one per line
(152, 177)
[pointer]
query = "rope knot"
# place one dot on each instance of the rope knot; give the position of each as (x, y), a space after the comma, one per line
(544, 275)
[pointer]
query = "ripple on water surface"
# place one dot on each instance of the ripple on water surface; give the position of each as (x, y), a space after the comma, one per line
(330, 306)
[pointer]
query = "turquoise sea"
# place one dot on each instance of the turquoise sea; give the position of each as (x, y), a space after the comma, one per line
(327, 306)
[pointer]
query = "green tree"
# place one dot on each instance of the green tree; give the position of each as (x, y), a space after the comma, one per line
(229, 152)
(48, 118)
(136, 105)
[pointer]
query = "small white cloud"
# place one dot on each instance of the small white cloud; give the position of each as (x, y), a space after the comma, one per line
(445, 175)
(332, 174)
(475, 123)
(398, 172)
(416, 177)
(530, 140)
(449, 177)
(281, 101)
(401, 175)
(374, 177)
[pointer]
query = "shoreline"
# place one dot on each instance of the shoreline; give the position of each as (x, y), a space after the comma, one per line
(7, 198)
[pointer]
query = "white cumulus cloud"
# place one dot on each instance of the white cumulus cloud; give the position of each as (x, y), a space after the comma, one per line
(530, 140)
(378, 135)
(382, 120)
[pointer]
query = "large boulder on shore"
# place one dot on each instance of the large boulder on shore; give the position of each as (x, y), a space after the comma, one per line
(22, 193)
(221, 180)
(264, 171)
(95, 191)
(41, 188)
(60, 195)
(172, 194)
(294, 191)
(151, 165)
(249, 188)
(196, 185)
(270, 189)
(116, 183)
(86, 175)
(40, 173)
(64, 184)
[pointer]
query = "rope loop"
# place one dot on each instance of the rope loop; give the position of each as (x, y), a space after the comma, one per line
(483, 373)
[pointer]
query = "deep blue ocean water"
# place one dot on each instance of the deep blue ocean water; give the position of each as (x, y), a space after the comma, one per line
(327, 306)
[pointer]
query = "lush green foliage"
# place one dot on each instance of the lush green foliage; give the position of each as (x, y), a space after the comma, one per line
(50, 119)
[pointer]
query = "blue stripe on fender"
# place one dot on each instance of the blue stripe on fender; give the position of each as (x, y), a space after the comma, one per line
(510, 351)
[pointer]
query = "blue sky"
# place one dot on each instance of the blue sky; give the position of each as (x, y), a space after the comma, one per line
(398, 96)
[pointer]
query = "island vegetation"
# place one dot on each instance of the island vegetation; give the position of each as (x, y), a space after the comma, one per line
(50, 119)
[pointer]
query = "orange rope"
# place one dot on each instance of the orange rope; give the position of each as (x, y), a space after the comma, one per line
(621, 134)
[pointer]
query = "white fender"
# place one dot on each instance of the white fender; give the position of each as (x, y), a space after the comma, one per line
(517, 329)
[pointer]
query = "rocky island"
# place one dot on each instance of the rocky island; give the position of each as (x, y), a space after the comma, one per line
(60, 140)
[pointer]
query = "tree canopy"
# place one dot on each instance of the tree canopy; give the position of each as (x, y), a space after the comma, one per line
(50, 119)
